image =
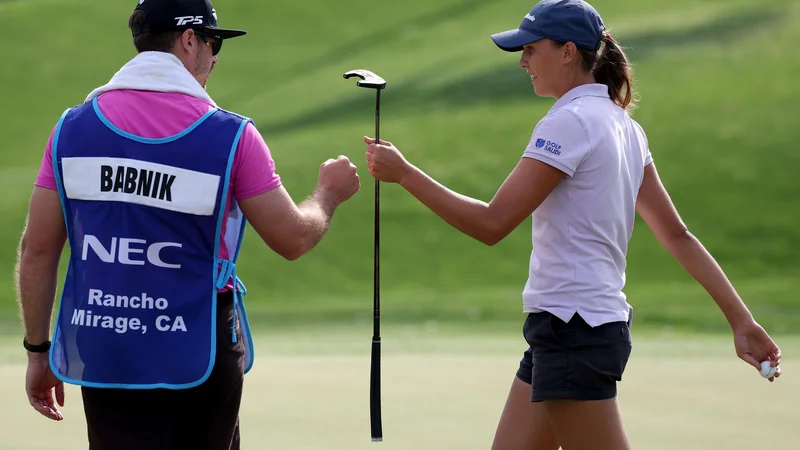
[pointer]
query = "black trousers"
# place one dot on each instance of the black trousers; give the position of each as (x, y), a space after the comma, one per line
(202, 418)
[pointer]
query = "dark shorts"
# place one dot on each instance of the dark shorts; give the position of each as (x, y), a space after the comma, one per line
(200, 418)
(573, 360)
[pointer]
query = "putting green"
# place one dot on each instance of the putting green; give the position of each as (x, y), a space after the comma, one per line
(446, 390)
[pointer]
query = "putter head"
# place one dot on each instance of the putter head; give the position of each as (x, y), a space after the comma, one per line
(367, 79)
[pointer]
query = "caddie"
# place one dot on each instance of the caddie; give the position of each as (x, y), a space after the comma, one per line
(151, 184)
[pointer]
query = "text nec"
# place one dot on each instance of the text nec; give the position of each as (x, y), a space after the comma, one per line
(123, 253)
(183, 20)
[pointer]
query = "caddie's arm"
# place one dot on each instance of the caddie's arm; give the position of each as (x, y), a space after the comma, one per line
(293, 230)
(37, 263)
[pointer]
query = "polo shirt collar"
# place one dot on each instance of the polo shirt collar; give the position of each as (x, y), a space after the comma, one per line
(584, 90)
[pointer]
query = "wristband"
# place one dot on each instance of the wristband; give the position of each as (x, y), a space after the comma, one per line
(41, 348)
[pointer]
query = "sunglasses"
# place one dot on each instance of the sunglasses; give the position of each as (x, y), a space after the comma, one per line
(216, 46)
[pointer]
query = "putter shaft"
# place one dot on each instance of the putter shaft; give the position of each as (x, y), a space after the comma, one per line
(371, 80)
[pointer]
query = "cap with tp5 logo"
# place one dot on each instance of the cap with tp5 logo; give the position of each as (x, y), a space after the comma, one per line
(179, 15)
(560, 20)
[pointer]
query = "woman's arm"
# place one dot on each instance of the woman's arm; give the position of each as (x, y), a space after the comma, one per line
(657, 210)
(523, 191)
(753, 344)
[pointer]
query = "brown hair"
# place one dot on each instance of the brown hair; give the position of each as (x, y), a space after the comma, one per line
(610, 66)
(144, 40)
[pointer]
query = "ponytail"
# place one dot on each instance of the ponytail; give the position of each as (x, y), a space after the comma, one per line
(611, 67)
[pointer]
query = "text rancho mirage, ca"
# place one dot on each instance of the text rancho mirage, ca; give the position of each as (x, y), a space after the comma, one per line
(122, 251)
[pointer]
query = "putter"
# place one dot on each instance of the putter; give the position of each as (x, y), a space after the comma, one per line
(369, 80)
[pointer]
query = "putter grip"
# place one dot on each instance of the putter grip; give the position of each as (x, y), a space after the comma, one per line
(375, 391)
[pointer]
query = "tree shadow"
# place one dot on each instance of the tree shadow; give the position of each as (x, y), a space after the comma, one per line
(508, 83)
(375, 39)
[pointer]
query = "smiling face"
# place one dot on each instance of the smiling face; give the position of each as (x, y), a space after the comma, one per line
(554, 68)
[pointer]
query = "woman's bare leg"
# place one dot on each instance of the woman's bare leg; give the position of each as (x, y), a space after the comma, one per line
(524, 425)
(587, 425)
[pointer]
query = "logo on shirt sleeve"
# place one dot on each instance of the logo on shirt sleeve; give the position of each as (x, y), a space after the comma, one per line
(549, 146)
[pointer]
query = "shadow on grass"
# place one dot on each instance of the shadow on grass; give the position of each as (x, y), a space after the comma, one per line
(339, 53)
(509, 83)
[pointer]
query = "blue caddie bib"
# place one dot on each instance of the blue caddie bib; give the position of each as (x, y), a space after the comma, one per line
(144, 221)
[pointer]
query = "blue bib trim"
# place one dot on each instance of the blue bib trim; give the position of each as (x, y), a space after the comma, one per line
(54, 151)
(144, 140)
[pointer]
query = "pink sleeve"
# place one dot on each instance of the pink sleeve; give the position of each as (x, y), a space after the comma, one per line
(253, 171)
(46, 177)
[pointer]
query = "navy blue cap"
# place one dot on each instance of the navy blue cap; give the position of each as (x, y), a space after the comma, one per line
(180, 15)
(560, 20)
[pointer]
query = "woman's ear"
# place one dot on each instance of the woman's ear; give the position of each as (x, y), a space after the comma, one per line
(568, 53)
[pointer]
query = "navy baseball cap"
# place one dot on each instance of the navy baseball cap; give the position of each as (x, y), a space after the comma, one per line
(560, 20)
(180, 15)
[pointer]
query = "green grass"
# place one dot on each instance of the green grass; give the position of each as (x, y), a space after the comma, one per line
(443, 388)
(719, 93)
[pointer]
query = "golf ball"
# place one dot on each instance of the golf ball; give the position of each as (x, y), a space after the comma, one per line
(767, 371)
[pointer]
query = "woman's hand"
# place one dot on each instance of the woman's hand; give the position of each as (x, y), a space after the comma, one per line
(753, 345)
(385, 162)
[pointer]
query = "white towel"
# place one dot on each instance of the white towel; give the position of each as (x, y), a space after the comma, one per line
(154, 71)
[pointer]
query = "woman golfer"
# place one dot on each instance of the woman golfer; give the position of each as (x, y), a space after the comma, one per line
(585, 173)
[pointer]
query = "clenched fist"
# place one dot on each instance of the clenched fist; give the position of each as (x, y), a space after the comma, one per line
(339, 178)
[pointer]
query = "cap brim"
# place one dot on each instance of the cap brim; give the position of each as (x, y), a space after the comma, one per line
(514, 40)
(222, 33)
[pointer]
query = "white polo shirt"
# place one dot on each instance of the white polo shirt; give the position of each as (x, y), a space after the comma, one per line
(581, 230)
